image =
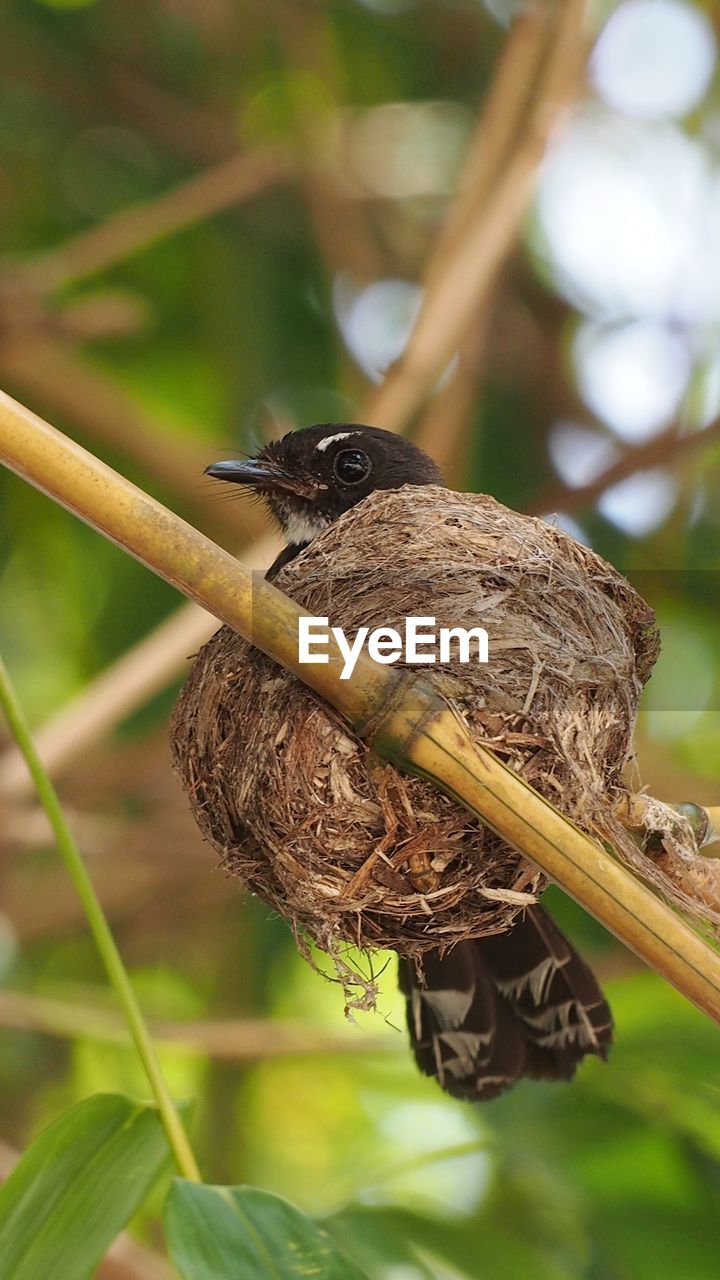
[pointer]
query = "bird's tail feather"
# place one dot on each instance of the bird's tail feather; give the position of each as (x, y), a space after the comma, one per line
(492, 1010)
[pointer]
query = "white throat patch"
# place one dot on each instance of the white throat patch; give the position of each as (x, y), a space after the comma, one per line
(341, 435)
(302, 527)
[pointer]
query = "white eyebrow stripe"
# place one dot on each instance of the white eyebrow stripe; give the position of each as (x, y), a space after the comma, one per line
(342, 435)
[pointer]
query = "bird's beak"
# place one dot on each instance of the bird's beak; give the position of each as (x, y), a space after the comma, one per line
(265, 475)
(254, 471)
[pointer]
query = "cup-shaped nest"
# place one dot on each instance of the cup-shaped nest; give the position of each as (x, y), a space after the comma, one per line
(343, 845)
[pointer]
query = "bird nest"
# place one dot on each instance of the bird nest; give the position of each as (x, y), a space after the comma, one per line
(339, 842)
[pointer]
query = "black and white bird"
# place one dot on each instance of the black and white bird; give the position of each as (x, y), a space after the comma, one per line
(491, 1010)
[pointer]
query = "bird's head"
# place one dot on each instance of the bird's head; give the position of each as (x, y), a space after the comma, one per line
(310, 477)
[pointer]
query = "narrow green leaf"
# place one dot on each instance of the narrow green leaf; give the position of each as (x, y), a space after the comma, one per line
(240, 1233)
(76, 1186)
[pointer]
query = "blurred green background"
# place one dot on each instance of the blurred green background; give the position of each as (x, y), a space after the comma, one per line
(215, 223)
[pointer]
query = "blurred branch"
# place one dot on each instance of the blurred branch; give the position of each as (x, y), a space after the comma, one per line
(338, 218)
(23, 826)
(448, 416)
(188, 128)
(480, 239)
(106, 701)
(127, 884)
(497, 132)
(144, 670)
(444, 429)
(228, 1039)
(55, 374)
(47, 366)
(138, 227)
(666, 448)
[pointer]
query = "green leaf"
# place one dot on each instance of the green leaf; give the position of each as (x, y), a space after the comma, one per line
(219, 1233)
(76, 1186)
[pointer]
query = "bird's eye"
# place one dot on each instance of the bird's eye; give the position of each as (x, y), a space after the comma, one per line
(351, 466)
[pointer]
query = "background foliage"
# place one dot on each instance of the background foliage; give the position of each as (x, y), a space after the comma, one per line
(215, 222)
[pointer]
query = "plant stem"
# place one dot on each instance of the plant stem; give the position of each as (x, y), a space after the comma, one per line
(111, 958)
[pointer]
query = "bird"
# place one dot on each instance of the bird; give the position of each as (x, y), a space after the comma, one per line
(491, 1010)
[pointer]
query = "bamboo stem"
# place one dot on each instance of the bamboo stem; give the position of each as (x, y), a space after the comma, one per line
(437, 746)
(401, 716)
